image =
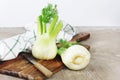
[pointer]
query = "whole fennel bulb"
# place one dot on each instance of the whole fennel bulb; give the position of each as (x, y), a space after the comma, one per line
(45, 45)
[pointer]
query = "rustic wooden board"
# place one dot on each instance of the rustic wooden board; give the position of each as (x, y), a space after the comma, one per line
(20, 67)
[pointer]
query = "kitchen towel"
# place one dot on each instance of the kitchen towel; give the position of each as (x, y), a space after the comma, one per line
(11, 47)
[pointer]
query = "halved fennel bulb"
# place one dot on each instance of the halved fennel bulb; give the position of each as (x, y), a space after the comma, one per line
(76, 57)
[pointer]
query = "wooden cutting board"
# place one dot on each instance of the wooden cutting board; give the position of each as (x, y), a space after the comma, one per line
(20, 67)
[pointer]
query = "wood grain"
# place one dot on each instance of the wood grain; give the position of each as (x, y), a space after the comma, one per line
(80, 36)
(20, 67)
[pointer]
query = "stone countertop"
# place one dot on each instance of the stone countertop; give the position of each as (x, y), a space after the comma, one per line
(105, 55)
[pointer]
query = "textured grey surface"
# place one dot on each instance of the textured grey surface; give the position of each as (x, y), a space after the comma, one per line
(8, 32)
(105, 60)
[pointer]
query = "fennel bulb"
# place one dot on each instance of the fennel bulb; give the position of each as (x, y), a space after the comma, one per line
(73, 54)
(45, 45)
(76, 57)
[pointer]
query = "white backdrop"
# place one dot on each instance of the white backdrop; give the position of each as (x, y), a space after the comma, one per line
(17, 13)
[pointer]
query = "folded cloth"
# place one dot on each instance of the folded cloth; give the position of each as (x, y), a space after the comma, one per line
(11, 47)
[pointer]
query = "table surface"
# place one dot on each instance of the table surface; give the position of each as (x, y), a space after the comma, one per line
(105, 55)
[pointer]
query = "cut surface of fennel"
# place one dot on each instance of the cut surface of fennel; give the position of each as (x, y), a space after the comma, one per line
(76, 57)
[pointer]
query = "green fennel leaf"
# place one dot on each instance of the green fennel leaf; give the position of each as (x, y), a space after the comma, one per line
(49, 12)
